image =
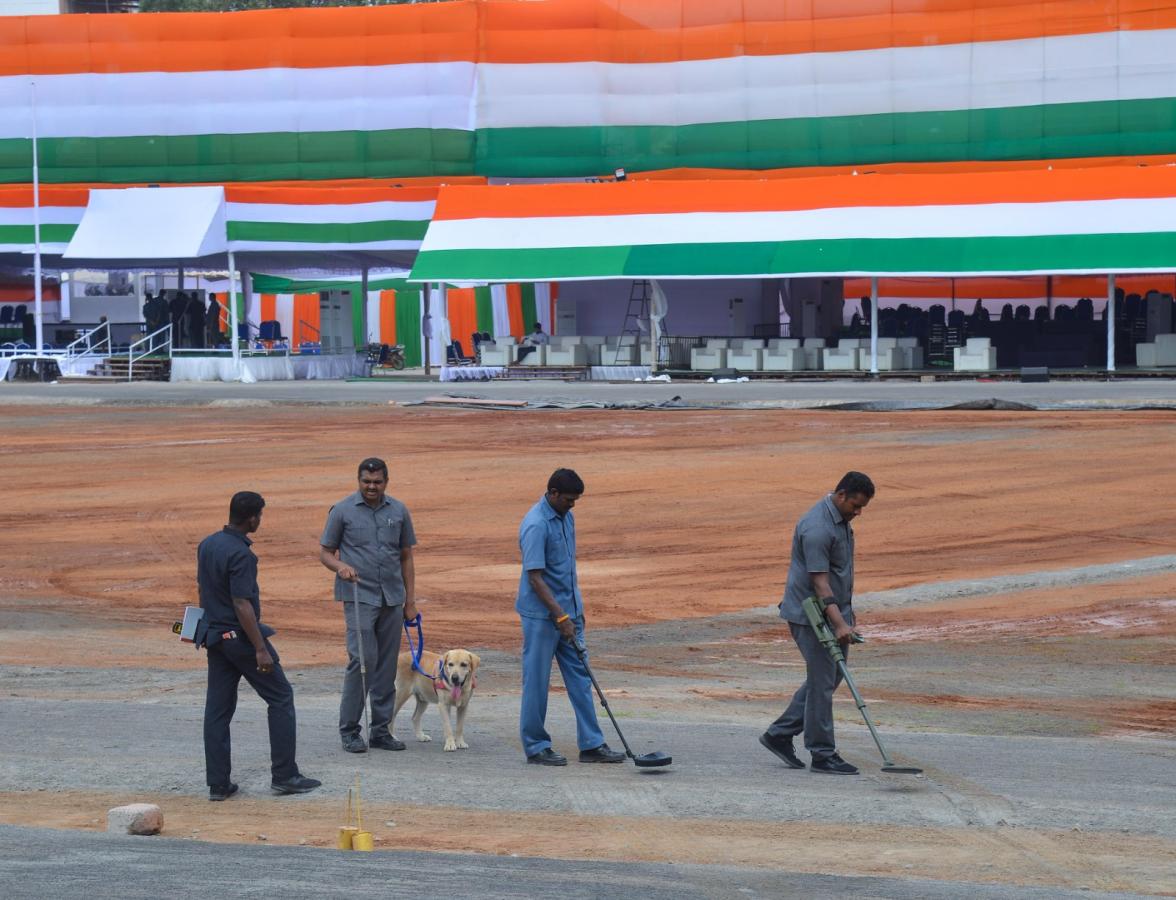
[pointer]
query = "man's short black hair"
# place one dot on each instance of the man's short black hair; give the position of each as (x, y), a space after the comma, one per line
(244, 506)
(855, 483)
(565, 481)
(373, 464)
(538, 326)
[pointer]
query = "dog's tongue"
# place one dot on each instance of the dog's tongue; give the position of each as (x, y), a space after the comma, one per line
(455, 692)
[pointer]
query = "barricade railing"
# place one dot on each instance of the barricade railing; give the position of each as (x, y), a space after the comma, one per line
(153, 347)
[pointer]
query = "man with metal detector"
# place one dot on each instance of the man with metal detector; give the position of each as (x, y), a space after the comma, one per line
(552, 614)
(238, 647)
(367, 543)
(821, 566)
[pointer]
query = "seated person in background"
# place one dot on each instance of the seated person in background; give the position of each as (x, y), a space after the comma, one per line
(536, 338)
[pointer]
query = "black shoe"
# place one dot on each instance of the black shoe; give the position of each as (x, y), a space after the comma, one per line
(353, 743)
(833, 765)
(385, 742)
(222, 791)
(782, 747)
(547, 757)
(299, 784)
(601, 754)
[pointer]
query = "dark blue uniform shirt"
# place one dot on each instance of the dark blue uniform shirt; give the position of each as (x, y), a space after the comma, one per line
(226, 568)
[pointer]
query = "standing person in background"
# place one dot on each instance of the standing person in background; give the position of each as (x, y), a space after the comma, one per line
(212, 323)
(367, 543)
(238, 647)
(552, 614)
(821, 567)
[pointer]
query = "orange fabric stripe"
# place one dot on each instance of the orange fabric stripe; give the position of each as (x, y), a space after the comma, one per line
(17, 196)
(514, 309)
(198, 42)
(24, 293)
(269, 307)
(388, 317)
(306, 309)
(309, 195)
(555, 31)
(673, 197)
(463, 316)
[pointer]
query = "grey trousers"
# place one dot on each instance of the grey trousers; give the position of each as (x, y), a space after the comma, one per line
(381, 627)
(811, 709)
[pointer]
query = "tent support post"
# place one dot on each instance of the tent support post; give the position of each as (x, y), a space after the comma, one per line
(1110, 316)
(363, 306)
(427, 327)
(234, 340)
(874, 325)
(38, 308)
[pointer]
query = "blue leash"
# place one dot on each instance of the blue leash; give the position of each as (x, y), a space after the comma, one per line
(420, 645)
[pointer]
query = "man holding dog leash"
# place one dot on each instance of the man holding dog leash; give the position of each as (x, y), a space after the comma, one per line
(821, 567)
(552, 614)
(367, 543)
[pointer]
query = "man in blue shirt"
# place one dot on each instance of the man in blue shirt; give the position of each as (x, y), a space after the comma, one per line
(552, 614)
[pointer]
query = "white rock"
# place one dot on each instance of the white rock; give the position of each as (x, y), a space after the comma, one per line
(135, 818)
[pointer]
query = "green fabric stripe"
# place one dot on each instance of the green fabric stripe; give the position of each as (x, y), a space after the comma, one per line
(50, 234)
(1100, 128)
(277, 156)
(275, 284)
(530, 317)
(485, 308)
(1057, 253)
(1104, 128)
(358, 314)
(408, 324)
(328, 232)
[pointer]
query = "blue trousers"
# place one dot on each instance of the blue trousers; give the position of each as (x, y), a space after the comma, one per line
(541, 644)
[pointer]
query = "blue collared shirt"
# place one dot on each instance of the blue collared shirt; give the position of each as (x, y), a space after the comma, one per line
(547, 541)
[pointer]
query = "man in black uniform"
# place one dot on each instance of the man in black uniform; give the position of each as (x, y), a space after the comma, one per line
(238, 645)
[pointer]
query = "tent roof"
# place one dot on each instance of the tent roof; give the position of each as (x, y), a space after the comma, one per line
(1078, 221)
(150, 223)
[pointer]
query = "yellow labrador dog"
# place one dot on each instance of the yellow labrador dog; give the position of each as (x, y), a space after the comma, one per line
(450, 685)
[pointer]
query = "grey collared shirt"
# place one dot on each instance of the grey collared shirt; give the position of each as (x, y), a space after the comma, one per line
(370, 540)
(822, 542)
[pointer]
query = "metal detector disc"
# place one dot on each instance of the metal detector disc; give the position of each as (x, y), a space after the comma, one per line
(902, 770)
(652, 760)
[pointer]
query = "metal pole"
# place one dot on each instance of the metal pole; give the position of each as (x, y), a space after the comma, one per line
(874, 325)
(233, 341)
(363, 307)
(427, 327)
(1110, 315)
(38, 311)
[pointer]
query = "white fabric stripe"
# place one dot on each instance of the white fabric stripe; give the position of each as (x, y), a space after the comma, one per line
(1124, 65)
(498, 303)
(543, 305)
(50, 215)
(54, 249)
(979, 220)
(253, 312)
(332, 213)
(319, 245)
(284, 313)
(373, 317)
(361, 98)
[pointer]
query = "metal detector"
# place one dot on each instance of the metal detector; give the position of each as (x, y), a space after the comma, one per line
(653, 760)
(816, 617)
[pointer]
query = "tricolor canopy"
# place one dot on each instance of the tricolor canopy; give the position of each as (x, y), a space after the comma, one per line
(1108, 220)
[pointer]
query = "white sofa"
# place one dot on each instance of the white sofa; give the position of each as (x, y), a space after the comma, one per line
(537, 356)
(498, 352)
(845, 357)
(712, 356)
(814, 353)
(914, 353)
(977, 356)
(783, 355)
(566, 351)
(892, 357)
(1160, 352)
(593, 345)
(746, 354)
(619, 350)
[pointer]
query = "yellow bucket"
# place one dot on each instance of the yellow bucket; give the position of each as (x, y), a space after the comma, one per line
(347, 837)
(362, 840)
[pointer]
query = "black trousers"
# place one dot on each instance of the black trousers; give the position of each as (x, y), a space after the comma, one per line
(228, 661)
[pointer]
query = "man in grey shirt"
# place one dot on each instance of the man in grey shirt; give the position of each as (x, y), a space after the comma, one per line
(821, 567)
(368, 543)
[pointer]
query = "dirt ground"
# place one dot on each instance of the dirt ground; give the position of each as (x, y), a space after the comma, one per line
(687, 515)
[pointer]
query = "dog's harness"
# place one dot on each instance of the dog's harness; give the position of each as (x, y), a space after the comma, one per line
(441, 682)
